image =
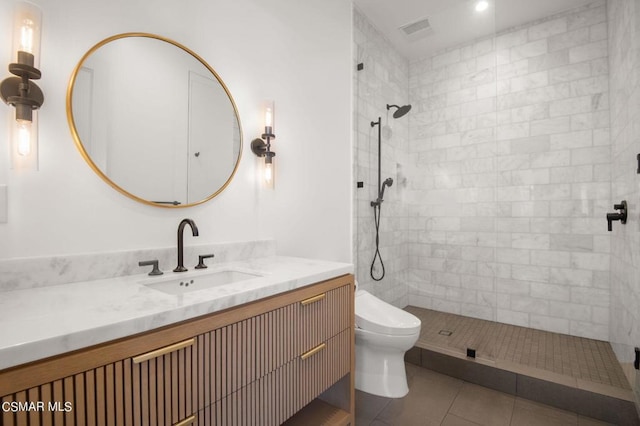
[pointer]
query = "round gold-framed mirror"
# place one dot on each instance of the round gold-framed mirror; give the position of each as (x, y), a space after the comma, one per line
(154, 120)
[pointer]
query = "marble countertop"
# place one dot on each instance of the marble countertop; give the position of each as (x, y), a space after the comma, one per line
(41, 322)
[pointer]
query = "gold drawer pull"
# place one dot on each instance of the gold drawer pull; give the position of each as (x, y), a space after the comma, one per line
(163, 351)
(313, 299)
(187, 421)
(313, 351)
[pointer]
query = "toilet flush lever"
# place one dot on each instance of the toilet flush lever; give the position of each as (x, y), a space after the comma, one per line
(621, 215)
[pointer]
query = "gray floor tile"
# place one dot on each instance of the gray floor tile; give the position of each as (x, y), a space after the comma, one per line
(483, 406)
(452, 420)
(368, 406)
(529, 413)
(437, 399)
(430, 396)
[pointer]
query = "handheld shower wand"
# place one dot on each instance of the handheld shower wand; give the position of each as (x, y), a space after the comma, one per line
(387, 182)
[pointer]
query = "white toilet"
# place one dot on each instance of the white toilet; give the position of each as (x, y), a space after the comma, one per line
(383, 334)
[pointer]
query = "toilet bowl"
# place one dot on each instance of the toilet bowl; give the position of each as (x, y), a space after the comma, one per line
(383, 334)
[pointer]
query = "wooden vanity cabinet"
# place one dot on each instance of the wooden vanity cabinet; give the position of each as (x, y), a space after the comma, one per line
(256, 364)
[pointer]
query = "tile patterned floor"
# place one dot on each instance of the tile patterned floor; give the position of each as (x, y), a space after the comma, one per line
(577, 357)
(436, 399)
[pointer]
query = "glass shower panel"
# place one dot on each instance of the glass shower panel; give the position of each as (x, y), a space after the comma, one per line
(553, 178)
(452, 181)
(381, 76)
(437, 225)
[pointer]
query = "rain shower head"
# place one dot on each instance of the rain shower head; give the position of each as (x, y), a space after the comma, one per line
(400, 110)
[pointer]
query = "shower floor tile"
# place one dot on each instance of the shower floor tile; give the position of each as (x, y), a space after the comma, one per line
(552, 356)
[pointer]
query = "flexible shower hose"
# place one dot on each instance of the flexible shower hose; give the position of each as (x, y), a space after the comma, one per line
(376, 218)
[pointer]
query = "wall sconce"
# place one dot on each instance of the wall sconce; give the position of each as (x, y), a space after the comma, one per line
(262, 146)
(20, 92)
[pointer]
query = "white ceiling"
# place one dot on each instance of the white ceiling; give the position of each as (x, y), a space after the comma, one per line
(453, 21)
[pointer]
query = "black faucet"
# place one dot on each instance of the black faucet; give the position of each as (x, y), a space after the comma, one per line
(194, 230)
(621, 215)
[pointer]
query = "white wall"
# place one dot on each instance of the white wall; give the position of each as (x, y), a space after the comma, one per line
(296, 53)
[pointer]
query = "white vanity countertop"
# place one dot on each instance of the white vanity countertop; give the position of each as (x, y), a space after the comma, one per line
(45, 321)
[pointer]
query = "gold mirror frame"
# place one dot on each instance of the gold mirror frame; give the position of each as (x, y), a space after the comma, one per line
(87, 157)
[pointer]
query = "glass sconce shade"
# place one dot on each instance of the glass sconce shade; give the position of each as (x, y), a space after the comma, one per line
(262, 146)
(27, 27)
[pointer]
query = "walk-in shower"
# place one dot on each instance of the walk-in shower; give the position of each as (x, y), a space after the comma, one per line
(377, 204)
(519, 140)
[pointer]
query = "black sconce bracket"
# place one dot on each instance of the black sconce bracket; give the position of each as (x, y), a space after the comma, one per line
(263, 149)
(20, 91)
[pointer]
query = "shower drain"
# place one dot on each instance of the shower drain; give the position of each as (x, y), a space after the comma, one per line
(445, 332)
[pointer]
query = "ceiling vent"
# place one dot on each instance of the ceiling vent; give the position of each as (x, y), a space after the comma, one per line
(416, 27)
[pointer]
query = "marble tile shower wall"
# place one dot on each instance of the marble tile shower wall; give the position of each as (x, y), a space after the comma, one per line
(510, 176)
(384, 80)
(624, 37)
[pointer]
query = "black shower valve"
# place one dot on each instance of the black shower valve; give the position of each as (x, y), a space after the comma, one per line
(621, 215)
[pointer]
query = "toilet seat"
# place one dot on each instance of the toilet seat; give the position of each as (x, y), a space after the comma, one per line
(372, 314)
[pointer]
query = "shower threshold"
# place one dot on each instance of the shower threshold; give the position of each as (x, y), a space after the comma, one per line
(572, 373)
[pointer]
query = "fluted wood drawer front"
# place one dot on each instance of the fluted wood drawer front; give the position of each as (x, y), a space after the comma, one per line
(156, 390)
(238, 354)
(163, 385)
(323, 318)
(322, 366)
(275, 397)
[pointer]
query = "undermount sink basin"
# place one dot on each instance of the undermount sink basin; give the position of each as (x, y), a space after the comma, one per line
(197, 282)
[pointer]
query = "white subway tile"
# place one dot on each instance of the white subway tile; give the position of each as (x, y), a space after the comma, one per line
(571, 106)
(512, 38)
(569, 39)
(529, 304)
(510, 317)
(587, 17)
(530, 112)
(551, 258)
(557, 325)
(551, 159)
(549, 61)
(596, 155)
(446, 58)
(551, 292)
(529, 241)
(548, 28)
(573, 277)
(590, 86)
(550, 126)
(529, 81)
(551, 225)
(530, 177)
(534, 48)
(570, 72)
(513, 256)
(528, 209)
(514, 193)
(571, 173)
(570, 310)
(589, 330)
(590, 296)
(590, 261)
